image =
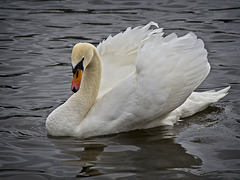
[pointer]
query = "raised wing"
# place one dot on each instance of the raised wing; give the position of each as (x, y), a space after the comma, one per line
(168, 70)
(118, 54)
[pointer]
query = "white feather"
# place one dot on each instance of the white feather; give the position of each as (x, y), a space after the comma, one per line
(147, 81)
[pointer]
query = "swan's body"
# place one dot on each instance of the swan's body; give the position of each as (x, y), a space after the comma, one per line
(142, 80)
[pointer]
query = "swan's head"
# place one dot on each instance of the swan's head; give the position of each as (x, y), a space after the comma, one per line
(82, 55)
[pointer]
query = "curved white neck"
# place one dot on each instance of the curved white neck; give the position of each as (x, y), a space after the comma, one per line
(83, 100)
(68, 116)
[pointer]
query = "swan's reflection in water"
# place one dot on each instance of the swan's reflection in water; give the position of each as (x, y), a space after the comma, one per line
(137, 153)
(87, 159)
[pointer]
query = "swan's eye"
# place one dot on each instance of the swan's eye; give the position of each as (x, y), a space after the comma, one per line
(78, 66)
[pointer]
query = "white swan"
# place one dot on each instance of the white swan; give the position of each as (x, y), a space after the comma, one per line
(146, 81)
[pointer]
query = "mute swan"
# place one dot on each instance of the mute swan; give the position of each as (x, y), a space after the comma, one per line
(147, 80)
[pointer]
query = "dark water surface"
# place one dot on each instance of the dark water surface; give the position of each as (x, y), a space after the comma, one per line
(36, 38)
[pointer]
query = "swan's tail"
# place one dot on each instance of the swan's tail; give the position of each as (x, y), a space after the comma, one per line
(198, 101)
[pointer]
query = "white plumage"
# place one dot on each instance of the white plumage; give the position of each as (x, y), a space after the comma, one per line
(146, 81)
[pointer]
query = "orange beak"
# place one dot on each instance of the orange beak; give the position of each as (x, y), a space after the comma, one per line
(76, 81)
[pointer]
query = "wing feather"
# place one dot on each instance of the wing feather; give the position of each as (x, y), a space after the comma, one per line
(128, 41)
(169, 70)
(118, 54)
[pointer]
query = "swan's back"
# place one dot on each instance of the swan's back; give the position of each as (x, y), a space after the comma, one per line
(165, 72)
(171, 67)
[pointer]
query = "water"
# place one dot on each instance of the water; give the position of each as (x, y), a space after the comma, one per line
(35, 76)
